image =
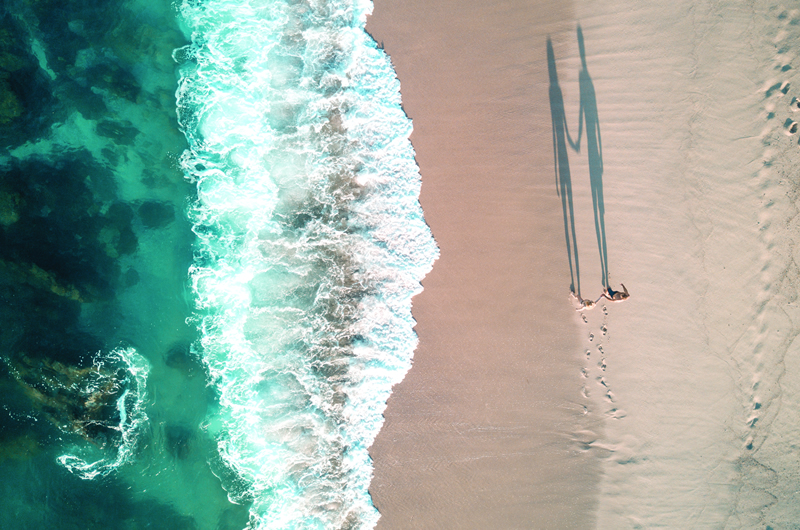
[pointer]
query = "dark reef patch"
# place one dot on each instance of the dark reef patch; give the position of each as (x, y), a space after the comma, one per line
(55, 221)
(179, 357)
(178, 441)
(156, 214)
(27, 106)
(94, 249)
(122, 133)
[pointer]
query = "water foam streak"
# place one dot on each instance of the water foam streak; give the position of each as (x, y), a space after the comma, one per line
(123, 371)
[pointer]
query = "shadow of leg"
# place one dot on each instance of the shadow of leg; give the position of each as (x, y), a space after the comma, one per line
(563, 176)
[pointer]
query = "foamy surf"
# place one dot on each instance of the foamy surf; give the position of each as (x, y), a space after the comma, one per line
(122, 374)
(311, 244)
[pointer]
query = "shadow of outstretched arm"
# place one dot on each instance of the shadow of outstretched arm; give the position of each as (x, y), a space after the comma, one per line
(576, 145)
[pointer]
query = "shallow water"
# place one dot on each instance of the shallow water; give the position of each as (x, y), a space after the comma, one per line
(102, 399)
(140, 394)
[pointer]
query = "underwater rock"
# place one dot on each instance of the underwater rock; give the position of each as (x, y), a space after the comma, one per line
(53, 19)
(113, 79)
(77, 241)
(123, 133)
(10, 204)
(77, 400)
(10, 107)
(10, 60)
(39, 322)
(178, 441)
(20, 447)
(117, 241)
(119, 218)
(180, 357)
(102, 403)
(90, 105)
(39, 278)
(156, 214)
(27, 106)
(131, 278)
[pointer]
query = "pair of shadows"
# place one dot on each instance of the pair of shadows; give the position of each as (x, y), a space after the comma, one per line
(588, 115)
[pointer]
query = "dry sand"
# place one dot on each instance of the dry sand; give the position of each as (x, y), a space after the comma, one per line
(481, 433)
(701, 383)
(692, 386)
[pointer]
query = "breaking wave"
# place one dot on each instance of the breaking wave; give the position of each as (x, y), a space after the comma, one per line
(311, 244)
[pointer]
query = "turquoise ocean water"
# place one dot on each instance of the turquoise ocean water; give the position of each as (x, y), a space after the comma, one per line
(209, 241)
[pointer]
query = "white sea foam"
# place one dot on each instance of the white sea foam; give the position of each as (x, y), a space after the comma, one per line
(124, 369)
(311, 244)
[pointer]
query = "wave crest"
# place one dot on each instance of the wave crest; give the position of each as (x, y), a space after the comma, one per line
(311, 244)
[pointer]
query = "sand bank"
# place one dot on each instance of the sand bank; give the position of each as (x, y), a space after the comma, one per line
(480, 434)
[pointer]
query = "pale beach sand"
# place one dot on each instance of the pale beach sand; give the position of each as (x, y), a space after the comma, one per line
(479, 434)
(701, 378)
(690, 389)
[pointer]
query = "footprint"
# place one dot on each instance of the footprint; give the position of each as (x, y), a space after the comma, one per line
(602, 365)
(603, 328)
(605, 310)
(616, 414)
(768, 92)
(591, 337)
(588, 353)
(585, 320)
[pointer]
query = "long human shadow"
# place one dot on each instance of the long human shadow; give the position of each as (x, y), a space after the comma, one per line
(594, 148)
(563, 176)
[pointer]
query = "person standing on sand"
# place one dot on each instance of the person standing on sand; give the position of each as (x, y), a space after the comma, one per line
(584, 303)
(616, 296)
